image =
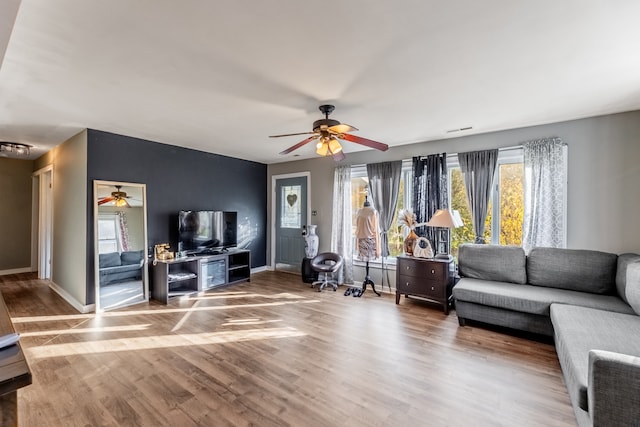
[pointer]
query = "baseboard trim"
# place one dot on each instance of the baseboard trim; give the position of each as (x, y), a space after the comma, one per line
(71, 300)
(15, 271)
(258, 269)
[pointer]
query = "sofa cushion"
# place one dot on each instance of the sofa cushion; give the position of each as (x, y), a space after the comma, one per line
(131, 257)
(580, 329)
(574, 269)
(492, 262)
(111, 259)
(531, 299)
(633, 286)
(621, 272)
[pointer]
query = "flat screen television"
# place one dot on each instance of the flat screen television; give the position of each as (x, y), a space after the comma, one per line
(206, 231)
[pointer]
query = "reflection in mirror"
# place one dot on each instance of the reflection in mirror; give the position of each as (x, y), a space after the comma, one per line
(120, 246)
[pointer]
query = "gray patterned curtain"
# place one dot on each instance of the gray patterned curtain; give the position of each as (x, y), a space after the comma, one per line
(341, 242)
(544, 193)
(478, 168)
(430, 191)
(384, 185)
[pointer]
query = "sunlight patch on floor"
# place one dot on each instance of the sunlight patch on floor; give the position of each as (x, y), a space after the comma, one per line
(159, 342)
(251, 321)
(28, 319)
(86, 330)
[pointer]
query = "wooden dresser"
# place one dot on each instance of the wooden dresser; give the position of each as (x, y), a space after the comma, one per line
(426, 278)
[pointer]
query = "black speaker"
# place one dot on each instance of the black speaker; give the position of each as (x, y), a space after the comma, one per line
(308, 274)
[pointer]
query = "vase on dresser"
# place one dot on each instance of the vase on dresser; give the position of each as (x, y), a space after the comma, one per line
(409, 241)
(311, 242)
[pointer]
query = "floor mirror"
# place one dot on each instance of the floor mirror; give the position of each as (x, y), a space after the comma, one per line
(120, 224)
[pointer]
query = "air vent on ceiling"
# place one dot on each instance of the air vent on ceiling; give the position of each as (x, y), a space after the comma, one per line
(460, 129)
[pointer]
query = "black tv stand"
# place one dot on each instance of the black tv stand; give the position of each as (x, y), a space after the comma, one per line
(209, 252)
(194, 274)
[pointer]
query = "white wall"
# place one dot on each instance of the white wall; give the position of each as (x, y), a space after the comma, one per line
(69, 267)
(604, 171)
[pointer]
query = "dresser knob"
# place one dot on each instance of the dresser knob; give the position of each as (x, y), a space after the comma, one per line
(433, 272)
(433, 288)
(407, 284)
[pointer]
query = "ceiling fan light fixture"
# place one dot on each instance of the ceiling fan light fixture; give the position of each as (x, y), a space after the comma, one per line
(334, 146)
(322, 148)
(121, 203)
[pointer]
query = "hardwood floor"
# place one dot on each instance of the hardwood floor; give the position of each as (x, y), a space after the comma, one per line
(274, 352)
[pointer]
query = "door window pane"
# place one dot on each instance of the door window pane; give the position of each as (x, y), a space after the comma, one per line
(290, 208)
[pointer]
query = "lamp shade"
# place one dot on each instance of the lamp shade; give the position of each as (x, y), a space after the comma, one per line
(446, 219)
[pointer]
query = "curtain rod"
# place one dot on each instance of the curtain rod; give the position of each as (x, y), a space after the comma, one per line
(512, 147)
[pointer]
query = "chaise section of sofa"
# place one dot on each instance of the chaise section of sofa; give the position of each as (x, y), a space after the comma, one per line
(588, 301)
(580, 330)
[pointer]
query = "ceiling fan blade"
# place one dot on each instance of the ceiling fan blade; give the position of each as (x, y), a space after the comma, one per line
(300, 144)
(342, 128)
(366, 142)
(105, 200)
(290, 134)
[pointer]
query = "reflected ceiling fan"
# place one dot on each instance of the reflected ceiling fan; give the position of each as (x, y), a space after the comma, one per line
(328, 131)
(119, 198)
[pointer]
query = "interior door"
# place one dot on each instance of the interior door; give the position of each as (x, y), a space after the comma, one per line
(45, 224)
(120, 217)
(290, 220)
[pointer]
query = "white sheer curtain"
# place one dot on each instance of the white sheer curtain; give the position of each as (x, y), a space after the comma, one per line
(545, 166)
(124, 231)
(341, 239)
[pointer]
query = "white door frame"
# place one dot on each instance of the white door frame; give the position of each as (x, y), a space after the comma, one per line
(274, 178)
(42, 222)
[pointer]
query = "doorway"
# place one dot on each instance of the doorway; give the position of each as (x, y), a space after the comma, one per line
(290, 213)
(42, 222)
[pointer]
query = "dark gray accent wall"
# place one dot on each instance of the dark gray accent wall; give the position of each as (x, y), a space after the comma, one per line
(177, 179)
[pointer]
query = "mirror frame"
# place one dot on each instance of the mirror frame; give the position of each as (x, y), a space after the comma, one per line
(145, 271)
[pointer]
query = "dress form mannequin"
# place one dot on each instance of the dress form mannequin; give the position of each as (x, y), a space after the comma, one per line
(368, 239)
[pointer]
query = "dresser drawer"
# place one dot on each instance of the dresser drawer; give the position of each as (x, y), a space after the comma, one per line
(416, 286)
(429, 270)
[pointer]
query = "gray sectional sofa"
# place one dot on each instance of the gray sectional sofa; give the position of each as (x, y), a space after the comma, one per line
(117, 267)
(588, 301)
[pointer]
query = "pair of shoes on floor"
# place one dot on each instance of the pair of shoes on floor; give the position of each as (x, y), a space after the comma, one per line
(357, 292)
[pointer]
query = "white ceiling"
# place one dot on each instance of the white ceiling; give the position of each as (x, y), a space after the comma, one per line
(220, 76)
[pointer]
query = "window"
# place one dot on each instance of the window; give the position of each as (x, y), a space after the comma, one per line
(108, 235)
(506, 207)
(291, 213)
(360, 189)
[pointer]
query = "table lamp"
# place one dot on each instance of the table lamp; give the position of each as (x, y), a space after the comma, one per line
(445, 220)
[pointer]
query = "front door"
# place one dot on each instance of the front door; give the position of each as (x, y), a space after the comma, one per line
(290, 220)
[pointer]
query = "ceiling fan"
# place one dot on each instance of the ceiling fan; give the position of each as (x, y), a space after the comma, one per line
(328, 131)
(119, 198)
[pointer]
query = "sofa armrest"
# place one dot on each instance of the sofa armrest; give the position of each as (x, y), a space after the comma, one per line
(614, 389)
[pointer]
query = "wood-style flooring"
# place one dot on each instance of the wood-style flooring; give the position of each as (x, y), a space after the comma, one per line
(274, 352)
